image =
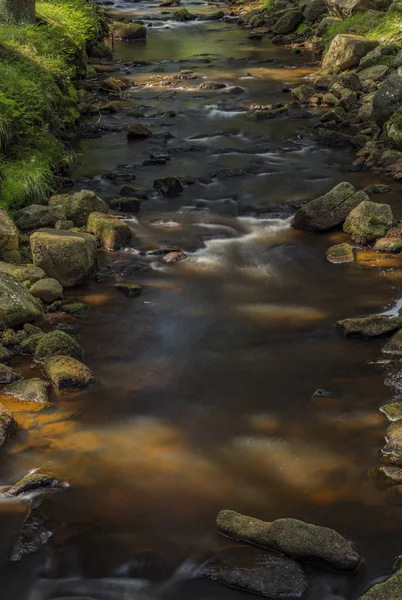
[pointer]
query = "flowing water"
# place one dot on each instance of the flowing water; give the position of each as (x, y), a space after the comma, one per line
(205, 382)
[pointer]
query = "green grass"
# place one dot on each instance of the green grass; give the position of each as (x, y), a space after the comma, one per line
(38, 64)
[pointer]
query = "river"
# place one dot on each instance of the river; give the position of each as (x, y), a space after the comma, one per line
(205, 382)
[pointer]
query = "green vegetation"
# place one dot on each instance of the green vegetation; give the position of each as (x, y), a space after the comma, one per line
(386, 27)
(37, 98)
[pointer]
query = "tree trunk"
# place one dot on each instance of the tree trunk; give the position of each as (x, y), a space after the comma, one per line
(17, 11)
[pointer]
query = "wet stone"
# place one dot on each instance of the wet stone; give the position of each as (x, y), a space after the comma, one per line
(9, 375)
(393, 411)
(394, 346)
(129, 289)
(34, 482)
(257, 571)
(369, 327)
(341, 253)
(29, 390)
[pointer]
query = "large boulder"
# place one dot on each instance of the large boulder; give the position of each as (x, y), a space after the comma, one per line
(329, 210)
(66, 372)
(390, 589)
(368, 222)
(17, 305)
(66, 256)
(369, 327)
(345, 8)
(294, 538)
(257, 571)
(79, 206)
(36, 216)
(392, 133)
(8, 233)
(113, 232)
(387, 99)
(346, 51)
(288, 22)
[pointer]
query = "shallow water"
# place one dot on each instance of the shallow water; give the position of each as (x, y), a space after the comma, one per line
(205, 381)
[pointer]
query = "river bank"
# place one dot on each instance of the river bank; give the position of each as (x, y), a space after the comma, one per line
(217, 335)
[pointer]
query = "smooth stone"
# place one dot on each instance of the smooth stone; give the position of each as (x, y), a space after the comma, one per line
(48, 290)
(29, 390)
(36, 216)
(388, 244)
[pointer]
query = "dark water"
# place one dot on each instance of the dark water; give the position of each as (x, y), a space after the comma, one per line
(204, 389)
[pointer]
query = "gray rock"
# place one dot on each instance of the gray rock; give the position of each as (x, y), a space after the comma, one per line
(257, 571)
(375, 73)
(347, 50)
(288, 21)
(9, 375)
(36, 216)
(394, 346)
(299, 540)
(17, 305)
(369, 327)
(387, 99)
(79, 205)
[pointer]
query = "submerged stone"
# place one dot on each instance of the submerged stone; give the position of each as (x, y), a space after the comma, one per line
(294, 538)
(29, 390)
(257, 571)
(369, 327)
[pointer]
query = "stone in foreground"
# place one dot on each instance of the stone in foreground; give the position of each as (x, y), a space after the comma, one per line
(68, 373)
(390, 589)
(17, 305)
(369, 327)
(341, 253)
(57, 343)
(329, 210)
(294, 538)
(29, 390)
(346, 51)
(368, 222)
(113, 232)
(258, 572)
(66, 256)
(35, 482)
(394, 346)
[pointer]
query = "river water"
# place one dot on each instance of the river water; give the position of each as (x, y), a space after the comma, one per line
(205, 382)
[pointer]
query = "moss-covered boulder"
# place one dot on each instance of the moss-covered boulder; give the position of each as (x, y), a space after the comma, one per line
(128, 31)
(389, 244)
(137, 131)
(257, 571)
(35, 482)
(394, 345)
(9, 375)
(29, 390)
(22, 273)
(328, 211)
(7, 425)
(129, 289)
(64, 224)
(57, 343)
(390, 589)
(68, 373)
(76, 309)
(368, 222)
(288, 21)
(17, 305)
(341, 253)
(303, 93)
(66, 256)
(126, 204)
(79, 205)
(294, 538)
(346, 50)
(28, 345)
(48, 290)
(392, 132)
(393, 411)
(8, 233)
(36, 216)
(113, 232)
(369, 327)
(169, 186)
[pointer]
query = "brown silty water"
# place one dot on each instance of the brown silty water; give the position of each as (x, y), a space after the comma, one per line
(205, 382)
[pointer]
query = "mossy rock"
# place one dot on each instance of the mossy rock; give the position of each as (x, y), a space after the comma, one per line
(48, 290)
(386, 476)
(390, 589)
(57, 343)
(79, 205)
(368, 222)
(9, 375)
(35, 482)
(29, 344)
(389, 244)
(288, 21)
(113, 232)
(22, 273)
(64, 224)
(5, 354)
(17, 305)
(129, 289)
(183, 15)
(303, 93)
(294, 538)
(126, 204)
(8, 426)
(129, 191)
(66, 256)
(369, 327)
(13, 257)
(341, 253)
(29, 390)
(10, 340)
(76, 309)
(68, 373)
(393, 411)
(392, 132)
(169, 186)
(36, 216)
(129, 31)
(8, 233)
